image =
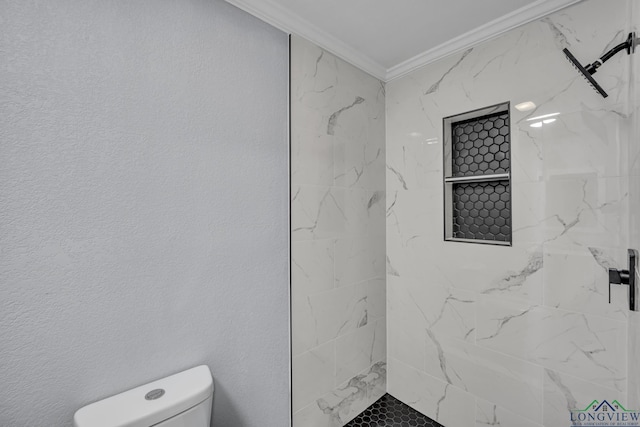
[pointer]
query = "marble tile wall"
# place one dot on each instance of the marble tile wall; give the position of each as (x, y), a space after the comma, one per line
(514, 336)
(338, 238)
(634, 205)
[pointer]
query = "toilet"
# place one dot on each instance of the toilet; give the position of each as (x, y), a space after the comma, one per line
(181, 400)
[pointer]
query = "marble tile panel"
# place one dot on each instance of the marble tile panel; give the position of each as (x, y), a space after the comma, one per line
(442, 402)
(517, 275)
(494, 72)
(633, 361)
(633, 332)
(585, 210)
(338, 223)
(316, 213)
(590, 347)
(586, 142)
(360, 349)
(358, 259)
(470, 267)
(376, 291)
(326, 84)
(307, 124)
(634, 145)
(357, 204)
(360, 162)
(405, 343)
(376, 213)
(634, 94)
(313, 79)
(576, 28)
(413, 259)
(349, 122)
(414, 162)
(321, 317)
(312, 266)
(527, 152)
(415, 213)
(576, 279)
(563, 393)
(341, 405)
(438, 310)
(312, 416)
(420, 213)
(405, 324)
(539, 303)
(507, 64)
(356, 394)
(490, 414)
(328, 212)
(311, 158)
(508, 381)
(528, 213)
(634, 212)
(313, 374)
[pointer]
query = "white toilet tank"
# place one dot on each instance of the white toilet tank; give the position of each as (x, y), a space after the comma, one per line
(181, 400)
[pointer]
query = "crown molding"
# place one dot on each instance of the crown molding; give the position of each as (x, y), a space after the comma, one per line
(495, 28)
(283, 19)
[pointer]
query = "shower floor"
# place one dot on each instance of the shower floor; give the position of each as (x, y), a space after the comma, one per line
(390, 412)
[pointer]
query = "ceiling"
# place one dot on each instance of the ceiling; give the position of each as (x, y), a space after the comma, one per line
(389, 38)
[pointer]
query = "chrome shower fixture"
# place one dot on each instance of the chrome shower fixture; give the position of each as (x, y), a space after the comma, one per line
(587, 71)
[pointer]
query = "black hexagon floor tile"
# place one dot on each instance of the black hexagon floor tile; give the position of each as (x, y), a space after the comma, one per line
(390, 412)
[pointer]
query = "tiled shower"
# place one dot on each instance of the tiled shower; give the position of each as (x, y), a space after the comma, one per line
(467, 334)
(338, 238)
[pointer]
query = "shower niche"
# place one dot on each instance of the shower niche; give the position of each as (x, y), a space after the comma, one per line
(477, 176)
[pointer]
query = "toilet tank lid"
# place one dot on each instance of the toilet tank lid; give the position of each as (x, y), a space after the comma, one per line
(147, 405)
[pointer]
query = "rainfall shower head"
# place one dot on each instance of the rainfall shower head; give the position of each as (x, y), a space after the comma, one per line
(594, 84)
(629, 45)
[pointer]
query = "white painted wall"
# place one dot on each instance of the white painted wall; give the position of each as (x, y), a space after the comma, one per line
(143, 205)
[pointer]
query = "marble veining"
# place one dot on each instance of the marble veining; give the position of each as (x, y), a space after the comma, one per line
(338, 204)
(357, 389)
(602, 258)
(517, 279)
(376, 197)
(390, 270)
(558, 34)
(333, 120)
(555, 378)
(399, 177)
(515, 335)
(434, 87)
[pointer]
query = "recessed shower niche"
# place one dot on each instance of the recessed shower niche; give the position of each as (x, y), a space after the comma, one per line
(477, 175)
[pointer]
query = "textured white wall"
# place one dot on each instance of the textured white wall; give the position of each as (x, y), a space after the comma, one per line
(143, 213)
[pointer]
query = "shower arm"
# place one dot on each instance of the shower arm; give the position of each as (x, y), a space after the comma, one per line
(629, 45)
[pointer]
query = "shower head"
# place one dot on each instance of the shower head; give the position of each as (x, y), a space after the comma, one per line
(629, 45)
(594, 84)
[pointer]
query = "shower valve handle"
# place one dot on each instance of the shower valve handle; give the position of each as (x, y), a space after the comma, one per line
(626, 277)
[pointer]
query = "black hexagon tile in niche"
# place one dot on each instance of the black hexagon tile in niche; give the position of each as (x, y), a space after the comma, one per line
(480, 146)
(390, 412)
(481, 211)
